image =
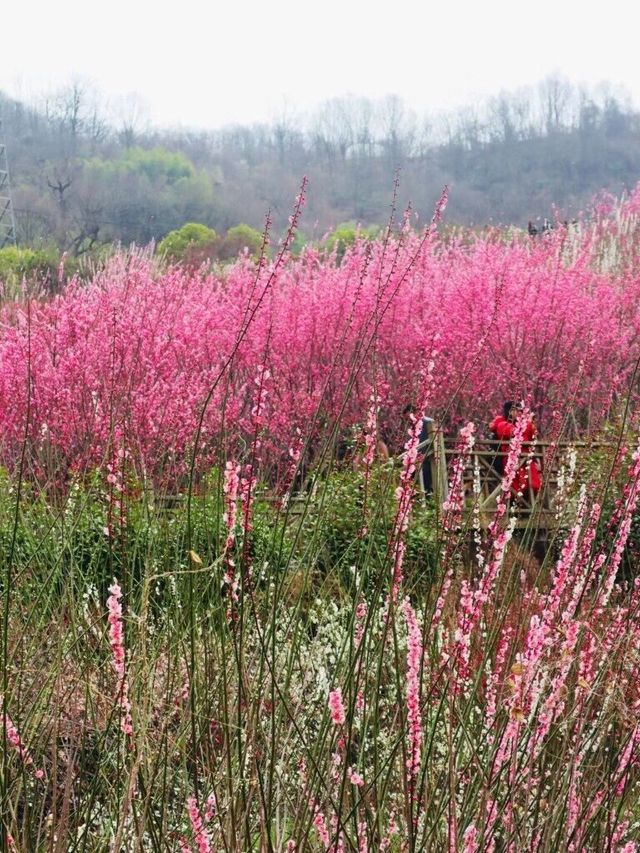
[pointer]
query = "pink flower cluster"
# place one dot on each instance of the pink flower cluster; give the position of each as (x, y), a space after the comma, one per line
(414, 663)
(135, 353)
(200, 837)
(13, 736)
(230, 489)
(336, 706)
(116, 641)
(454, 504)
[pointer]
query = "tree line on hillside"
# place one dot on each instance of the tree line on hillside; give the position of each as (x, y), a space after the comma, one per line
(82, 178)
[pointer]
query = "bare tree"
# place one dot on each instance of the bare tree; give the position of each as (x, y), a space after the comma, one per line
(398, 126)
(332, 130)
(131, 114)
(286, 132)
(556, 95)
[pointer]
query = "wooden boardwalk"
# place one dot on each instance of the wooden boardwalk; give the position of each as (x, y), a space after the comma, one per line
(482, 479)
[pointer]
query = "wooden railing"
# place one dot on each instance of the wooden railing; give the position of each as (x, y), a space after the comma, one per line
(482, 477)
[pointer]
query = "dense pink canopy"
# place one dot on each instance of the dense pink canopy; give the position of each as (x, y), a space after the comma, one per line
(134, 353)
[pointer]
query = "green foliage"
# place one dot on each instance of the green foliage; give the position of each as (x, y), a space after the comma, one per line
(146, 194)
(300, 240)
(156, 164)
(85, 545)
(345, 235)
(238, 239)
(17, 264)
(191, 243)
(194, 244)
(345, 507)
(421, 556)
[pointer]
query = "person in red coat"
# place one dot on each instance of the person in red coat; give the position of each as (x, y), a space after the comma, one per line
(503, 428)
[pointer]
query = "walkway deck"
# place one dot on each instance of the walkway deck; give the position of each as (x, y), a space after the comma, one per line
(482, 477)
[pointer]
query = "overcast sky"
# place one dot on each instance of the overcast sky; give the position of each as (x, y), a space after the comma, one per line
(206, 64)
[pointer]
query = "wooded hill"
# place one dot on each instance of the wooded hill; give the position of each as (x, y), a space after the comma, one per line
(80, 178)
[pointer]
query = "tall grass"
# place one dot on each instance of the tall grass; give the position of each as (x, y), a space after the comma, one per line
(236, 642)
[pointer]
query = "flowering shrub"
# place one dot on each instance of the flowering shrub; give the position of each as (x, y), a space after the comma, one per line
(127, 361)
(227, 695)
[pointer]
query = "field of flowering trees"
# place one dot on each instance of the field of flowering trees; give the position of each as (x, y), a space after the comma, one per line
(219, 635)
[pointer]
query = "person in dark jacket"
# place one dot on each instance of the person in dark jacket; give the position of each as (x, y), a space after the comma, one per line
(426, 432)
(503, 428)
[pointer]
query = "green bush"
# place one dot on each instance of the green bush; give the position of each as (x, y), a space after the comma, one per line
(345, 235)
(239, 239)
(191, 244)
(334, 527)
(32, 265)
(74, 541)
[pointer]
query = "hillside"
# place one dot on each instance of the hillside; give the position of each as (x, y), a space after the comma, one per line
(81, 178)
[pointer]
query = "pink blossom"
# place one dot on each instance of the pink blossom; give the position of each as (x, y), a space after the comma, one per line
(404, 492)
(359, 627)
(414, 662)
(167, 333)
(354, 777)
(231, 490)
(13, 736)
(321, 828)
(210, 807)
(336, 706)
(392, 829)
(454, 504)
(197, 826)
(470, 839)
(116, 641)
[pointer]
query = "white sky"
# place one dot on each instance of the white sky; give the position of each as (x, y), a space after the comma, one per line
(206, 64)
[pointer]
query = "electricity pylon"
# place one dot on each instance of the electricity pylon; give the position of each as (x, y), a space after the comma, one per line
(7, 218)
